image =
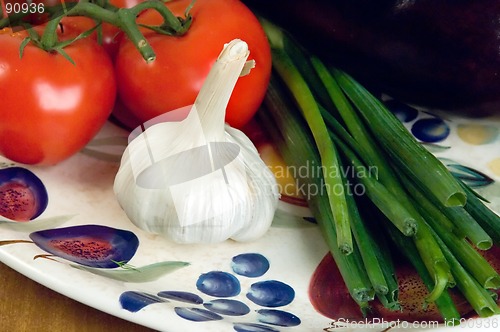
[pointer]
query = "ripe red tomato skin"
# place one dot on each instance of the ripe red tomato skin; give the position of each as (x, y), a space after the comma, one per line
(50, 107)
(175, 77)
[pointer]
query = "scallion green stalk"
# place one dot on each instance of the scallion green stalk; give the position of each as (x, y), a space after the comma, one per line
(295, 143)
(399, 215)
(336, 112)
(370, 151)
(401, 146)
(489, 220)
(474, 262)
(444, 302)
(368, 249)
(354, 125)
(334, 182)
(468, 226)
(477, 296)
(379, 195)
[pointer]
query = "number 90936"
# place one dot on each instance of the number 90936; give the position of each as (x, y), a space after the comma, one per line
(13, 7)
(20, 14)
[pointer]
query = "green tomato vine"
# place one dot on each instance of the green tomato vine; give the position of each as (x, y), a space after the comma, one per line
(101, 11)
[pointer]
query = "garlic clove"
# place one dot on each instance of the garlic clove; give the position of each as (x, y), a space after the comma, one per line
(263, 188)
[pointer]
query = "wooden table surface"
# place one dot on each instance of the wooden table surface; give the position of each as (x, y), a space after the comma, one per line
(28, 306)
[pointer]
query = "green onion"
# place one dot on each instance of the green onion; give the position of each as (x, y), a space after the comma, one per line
(307, 104)
(295, 143)
(317, 110)
(401, 146)
(339, 132)
(474, 262)
(444, 302)
(489, 220)
(399, 216)
(468, 226)
(477, 296)
(370, 217)
(353, 123)
(454, 219)
(368, 249)
(429, 249)
(380, 196)
(368, 149)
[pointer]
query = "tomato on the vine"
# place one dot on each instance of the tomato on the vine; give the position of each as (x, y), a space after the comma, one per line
(182, 63)
(51, 107)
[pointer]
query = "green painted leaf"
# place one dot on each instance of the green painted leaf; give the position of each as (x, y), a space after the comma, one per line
(136, 274)
(470, 176)
(35, 225)
(435, 148)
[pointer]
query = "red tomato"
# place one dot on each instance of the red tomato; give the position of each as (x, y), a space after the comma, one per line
(174, 79)
(50, 107)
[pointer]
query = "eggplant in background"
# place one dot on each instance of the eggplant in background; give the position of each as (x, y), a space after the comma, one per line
(434, 53)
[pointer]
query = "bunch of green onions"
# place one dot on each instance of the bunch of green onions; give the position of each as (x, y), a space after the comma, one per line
(320, 115)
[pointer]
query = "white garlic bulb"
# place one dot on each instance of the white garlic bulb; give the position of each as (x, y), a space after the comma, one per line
(197, 180)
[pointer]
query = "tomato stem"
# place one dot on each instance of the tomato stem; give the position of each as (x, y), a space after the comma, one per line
(128, 25)
(123, 18)
(49, 37)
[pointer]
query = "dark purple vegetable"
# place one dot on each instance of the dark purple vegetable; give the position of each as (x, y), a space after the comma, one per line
(435, 53)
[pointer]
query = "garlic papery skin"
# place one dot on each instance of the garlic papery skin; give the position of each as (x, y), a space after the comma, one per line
(197, 180)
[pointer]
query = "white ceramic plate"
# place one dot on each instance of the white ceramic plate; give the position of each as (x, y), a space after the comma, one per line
(80, 193)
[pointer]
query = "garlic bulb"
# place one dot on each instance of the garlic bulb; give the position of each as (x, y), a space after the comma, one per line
(197, 180)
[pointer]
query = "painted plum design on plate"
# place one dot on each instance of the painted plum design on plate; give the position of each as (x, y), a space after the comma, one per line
(268, 295)
(23, 199)
(98, 249)
(89, 245)
(23, 196)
